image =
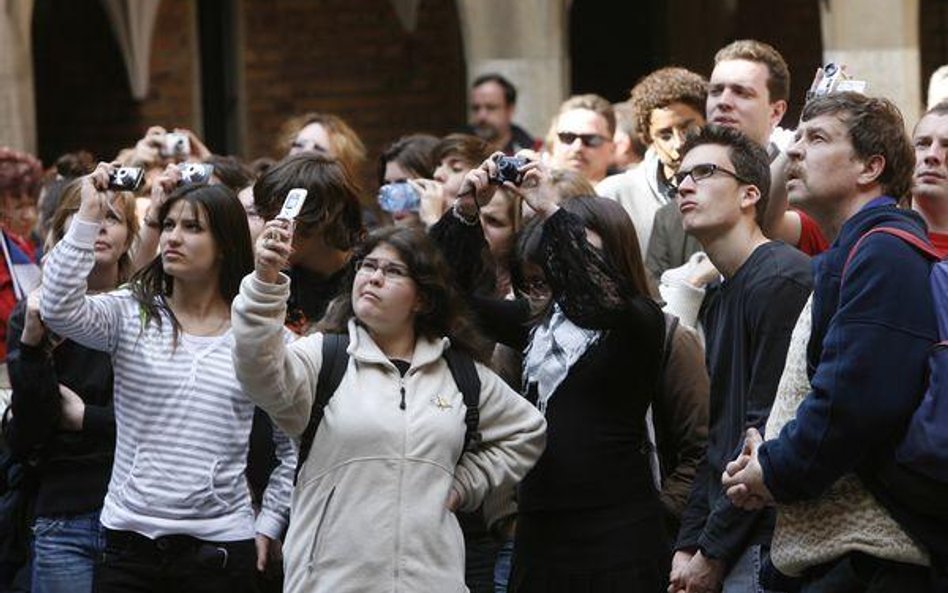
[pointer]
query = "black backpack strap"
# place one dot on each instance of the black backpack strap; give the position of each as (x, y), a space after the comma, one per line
(465, 375)
(335, 362)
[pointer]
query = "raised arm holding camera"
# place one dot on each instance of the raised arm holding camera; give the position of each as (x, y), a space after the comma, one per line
(177, 513)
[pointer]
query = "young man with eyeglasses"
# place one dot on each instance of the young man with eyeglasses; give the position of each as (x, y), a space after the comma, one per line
(668, 104)
(722, 189)
(582, 136)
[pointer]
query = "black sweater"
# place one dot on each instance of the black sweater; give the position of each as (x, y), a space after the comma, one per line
(748, 321)
(74, 466)
(595, 453)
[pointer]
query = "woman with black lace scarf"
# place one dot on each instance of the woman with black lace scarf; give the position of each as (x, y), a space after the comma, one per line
(589, 514)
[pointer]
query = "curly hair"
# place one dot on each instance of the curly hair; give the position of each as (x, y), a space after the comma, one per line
(662, 88)
(20, 173)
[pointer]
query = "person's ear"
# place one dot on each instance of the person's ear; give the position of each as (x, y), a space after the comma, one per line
(750, 197)
(872, 169)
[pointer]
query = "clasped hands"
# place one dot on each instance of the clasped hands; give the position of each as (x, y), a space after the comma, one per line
(743, 478)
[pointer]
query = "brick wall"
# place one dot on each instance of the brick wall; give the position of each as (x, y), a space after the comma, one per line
(82, 92)
(351, 58)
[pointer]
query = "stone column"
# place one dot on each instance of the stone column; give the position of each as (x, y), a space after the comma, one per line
(526, 42)
(17, 105)
(878, 41)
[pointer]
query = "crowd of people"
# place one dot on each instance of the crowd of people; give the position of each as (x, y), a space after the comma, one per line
(670, 346)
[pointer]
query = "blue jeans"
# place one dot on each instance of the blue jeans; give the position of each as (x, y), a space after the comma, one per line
(745, 574)
(502, 567)
(66, 550)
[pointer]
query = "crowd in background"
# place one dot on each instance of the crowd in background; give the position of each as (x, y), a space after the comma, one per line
(668, 346)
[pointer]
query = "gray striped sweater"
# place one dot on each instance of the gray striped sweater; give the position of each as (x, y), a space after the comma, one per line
(182, 419)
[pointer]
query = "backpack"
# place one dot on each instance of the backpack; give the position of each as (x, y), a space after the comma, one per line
(924, 449)
(19, 483)
(335, 363)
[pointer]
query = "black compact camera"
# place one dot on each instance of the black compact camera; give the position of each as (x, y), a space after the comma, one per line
(508, 169)
(126, 178)
(195, 173)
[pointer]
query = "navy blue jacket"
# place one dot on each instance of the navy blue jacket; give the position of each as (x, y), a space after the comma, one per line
(867, 357)
(867, 360)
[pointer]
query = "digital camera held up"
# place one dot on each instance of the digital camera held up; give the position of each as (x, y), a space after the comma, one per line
(508, 169)
(126, 178)
(176, 145)
(399, 197)
(195, 173)
(835, 80)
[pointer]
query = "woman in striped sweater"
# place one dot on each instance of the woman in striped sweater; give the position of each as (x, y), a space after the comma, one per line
(177, 514)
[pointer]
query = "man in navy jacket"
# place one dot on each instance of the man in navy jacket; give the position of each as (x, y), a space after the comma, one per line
(871, 334)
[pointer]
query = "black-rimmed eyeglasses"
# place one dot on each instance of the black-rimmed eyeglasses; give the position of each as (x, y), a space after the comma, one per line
(703, 171)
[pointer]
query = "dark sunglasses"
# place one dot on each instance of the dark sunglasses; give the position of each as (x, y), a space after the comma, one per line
(588, 140)
(703, 171)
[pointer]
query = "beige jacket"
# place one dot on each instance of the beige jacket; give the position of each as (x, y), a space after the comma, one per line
(368, 513)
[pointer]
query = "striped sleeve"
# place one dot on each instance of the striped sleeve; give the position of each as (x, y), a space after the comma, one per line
(91, 320)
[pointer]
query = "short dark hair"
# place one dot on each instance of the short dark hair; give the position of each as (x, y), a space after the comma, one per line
(751, 162)
(470, 149)
(332, 205)
(510, 91)
(778, 81)
(231, 171)
(940, 108)
(662, 88)
(875, 127)
(414, 153)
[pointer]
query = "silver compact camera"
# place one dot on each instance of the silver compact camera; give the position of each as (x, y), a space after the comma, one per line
(195, 173)
(126, 178)
(176, 145)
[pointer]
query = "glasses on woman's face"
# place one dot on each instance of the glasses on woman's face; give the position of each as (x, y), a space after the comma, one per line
(702, 171)
(391, 271)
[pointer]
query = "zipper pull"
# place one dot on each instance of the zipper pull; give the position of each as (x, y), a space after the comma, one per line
(401, 388)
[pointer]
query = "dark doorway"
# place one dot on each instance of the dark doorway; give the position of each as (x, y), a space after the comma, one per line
(217, 35)
(83, 99)
(614, 44)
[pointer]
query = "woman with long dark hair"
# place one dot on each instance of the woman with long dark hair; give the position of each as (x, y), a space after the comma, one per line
(177, 514)
(387, 465)
(589, 514)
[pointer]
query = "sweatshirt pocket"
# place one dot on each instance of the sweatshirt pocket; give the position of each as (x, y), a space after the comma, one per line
(164, 484)
(318, 539)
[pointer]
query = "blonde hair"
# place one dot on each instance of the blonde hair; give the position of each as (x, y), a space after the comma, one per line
(68, 206)
(346, 146)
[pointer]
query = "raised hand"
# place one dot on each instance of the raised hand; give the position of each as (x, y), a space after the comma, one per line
(95, 194)
(273, 250)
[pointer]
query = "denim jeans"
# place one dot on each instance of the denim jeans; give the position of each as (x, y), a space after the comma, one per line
(66, 550)
(502, 567)
(744, 576)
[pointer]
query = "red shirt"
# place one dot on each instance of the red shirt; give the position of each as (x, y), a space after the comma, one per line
(940, 242)
(812, 242)
(8, 298)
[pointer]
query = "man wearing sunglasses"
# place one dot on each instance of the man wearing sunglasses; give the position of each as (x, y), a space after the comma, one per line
(722, 191)
(582, 136)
